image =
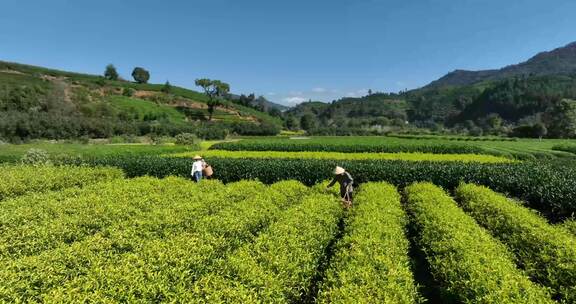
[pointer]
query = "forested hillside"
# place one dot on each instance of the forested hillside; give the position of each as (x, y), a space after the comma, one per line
(532, 99)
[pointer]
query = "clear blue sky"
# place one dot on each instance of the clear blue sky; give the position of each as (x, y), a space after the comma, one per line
(288, 51)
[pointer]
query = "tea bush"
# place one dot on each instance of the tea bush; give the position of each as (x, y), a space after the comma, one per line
(356, 145)
(546, 252)
(416, 156)
(16, 180)
(176, 224)
(279, 266)
(470, 265)
(371, 263)
(549, 189)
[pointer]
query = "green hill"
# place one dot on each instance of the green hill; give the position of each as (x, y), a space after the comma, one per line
(37, 102)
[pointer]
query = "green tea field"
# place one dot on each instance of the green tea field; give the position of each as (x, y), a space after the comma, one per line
(433, 221)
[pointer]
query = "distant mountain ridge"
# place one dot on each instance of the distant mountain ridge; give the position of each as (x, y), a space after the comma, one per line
(560, 61)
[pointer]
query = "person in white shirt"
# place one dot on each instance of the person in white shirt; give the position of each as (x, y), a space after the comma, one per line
(197, 168)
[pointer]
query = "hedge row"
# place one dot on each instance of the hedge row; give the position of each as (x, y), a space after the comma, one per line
(130, 259)
(371, 264)
(281, 264)
(546, 252)
(16, 180)
(415, 156)
(470, 265)
(565, 148)
(549, 189)
(360, 146)
(448, 137)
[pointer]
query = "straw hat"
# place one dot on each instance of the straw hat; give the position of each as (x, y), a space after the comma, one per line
(339, 170)
(197, 157)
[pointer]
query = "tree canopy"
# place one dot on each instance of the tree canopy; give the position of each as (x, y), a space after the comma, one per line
(140, 75)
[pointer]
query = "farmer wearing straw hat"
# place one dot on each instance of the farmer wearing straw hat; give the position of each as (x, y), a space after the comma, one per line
(197, 168)
(345, 180)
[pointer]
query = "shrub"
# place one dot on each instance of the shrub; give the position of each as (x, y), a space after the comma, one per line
(470, 265)
(371, 263)
(160, 139)
(128, 92)
(36, 157)
(547, 253)
(212, 132)
(117, 140)
(187, 139)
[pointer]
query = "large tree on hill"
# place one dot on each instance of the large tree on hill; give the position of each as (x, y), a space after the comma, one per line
(110, 72)
(215, 90)
(140, 75)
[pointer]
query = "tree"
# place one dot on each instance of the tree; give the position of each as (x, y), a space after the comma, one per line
(140, 75)
(215, 90)
(537, 130)
(494, 121)
(167, 88)
(111, 73)
(540, 130)
(246, 100)
(275, 112)
(308, 122)
(561, 119)
(291, 123)
(261, 105)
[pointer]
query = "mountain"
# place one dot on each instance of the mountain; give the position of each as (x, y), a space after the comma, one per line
(37, 102)
(494, 102)
(258, 102)
(561, 61)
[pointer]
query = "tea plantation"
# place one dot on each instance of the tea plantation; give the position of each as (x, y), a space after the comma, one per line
(125, 224)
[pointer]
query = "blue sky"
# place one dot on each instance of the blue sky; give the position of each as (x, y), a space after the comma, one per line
(288, 51)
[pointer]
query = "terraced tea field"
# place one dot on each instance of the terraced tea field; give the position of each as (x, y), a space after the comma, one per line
(111, 239)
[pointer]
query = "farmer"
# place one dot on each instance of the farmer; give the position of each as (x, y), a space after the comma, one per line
(197, 168)
(345, 180)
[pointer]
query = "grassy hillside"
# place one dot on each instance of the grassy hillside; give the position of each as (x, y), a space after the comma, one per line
(37, 102)
(147, 110)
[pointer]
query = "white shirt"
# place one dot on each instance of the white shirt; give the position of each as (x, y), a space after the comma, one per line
(197, 166)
